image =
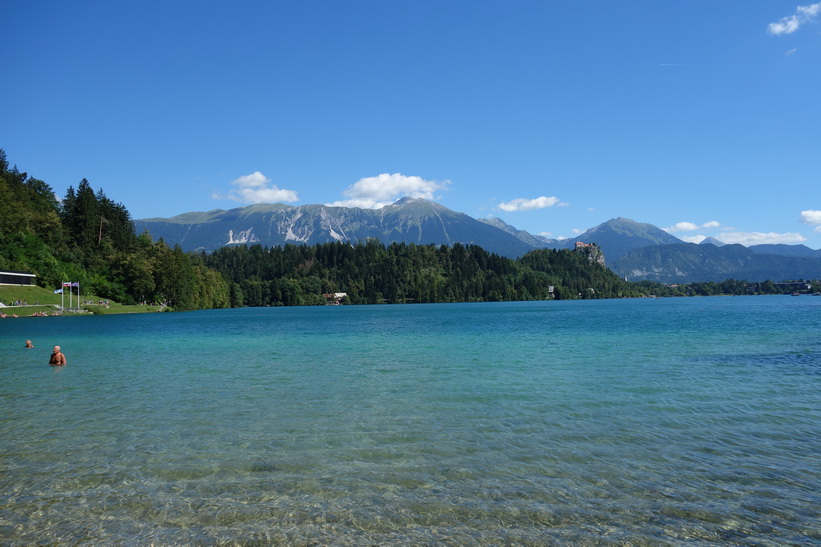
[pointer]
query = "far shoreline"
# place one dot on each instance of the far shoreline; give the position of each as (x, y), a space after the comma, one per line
(47, 304)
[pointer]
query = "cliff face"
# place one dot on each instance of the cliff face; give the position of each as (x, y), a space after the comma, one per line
(594, 254)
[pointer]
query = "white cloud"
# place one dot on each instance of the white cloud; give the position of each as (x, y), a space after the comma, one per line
(682, 227)
(257, 188)
(812, 218)
(810, 10)
(693, 239)
(690, 226)
(523, 204)
(759, 238)
(379, 191)
(791, 23)
(785, 25)
(545, 234)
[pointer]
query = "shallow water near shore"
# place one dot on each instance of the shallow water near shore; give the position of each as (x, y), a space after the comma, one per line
(665, 421)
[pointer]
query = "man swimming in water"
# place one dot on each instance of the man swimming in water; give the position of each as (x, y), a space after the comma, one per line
(29, 344)
(57, 358)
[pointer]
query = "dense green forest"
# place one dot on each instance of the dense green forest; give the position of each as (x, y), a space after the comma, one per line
(402, 273)
(407, 273)
(734, 287)
(88, 238)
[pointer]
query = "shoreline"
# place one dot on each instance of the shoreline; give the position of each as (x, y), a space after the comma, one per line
(52, 309)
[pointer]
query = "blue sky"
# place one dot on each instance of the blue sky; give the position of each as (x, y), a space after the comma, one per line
(699, 116)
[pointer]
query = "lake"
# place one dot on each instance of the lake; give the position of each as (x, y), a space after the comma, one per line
(655, 421)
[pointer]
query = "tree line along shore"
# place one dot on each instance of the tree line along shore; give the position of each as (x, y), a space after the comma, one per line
(88, 238)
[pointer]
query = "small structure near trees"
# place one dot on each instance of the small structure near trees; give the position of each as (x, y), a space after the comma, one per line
(10, 277)
(334, 298)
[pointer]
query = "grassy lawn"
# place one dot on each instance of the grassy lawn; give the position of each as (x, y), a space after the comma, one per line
(44, 300)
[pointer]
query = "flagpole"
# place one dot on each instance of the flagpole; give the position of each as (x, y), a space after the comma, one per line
(62, 296)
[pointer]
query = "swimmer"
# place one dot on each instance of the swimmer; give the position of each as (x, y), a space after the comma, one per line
(57, 358)
(29, 344)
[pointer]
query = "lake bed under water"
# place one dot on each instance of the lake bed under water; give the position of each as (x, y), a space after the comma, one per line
(664, 421)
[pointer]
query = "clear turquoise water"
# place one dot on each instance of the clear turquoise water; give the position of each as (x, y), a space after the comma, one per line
(670, 421)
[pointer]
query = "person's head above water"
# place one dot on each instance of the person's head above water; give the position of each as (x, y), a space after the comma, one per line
(57, 358)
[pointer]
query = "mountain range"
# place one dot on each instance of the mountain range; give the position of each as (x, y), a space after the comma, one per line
(688, 262)
(633, 250)
(408, 221)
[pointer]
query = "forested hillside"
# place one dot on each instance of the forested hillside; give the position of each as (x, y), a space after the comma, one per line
(90, 239)
(400, 273)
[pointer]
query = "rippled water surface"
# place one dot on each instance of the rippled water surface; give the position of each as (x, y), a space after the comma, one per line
(671, 421)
